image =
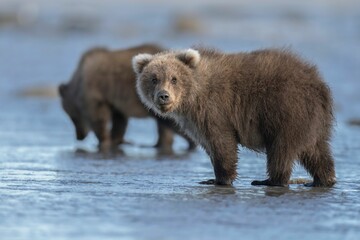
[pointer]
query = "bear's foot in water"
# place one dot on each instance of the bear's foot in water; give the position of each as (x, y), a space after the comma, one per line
(208, 182)
(267, 182)
(319, 184)
(214, 182)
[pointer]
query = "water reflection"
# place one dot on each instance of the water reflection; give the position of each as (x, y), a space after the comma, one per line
(48, 188)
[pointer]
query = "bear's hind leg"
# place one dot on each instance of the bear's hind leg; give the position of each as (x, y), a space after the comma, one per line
(320, 165)
(99, 117)
(119, 125)
(280, 161)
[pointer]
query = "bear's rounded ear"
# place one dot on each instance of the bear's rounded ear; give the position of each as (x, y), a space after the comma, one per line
(140, 61)
(190, 57)
(62, 89)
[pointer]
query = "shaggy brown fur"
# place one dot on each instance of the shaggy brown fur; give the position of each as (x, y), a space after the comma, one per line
(267, 100)
(102, 90)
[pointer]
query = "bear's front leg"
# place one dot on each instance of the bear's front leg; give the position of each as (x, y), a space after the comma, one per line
(280, 161)
(223, 154)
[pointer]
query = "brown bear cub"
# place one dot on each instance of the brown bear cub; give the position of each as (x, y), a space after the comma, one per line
(102, 91)
(266, 100)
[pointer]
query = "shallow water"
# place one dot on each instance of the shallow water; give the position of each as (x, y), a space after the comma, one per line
(52, 187)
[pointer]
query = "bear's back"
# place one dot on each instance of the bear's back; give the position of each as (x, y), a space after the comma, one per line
(108, 76)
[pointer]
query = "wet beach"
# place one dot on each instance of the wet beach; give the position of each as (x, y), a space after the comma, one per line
(53, 187)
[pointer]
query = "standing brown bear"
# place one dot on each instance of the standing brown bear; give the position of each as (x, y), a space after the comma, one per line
(266, 100)
(102, 91)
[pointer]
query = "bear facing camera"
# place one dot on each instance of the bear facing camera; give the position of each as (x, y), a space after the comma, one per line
(268, 100)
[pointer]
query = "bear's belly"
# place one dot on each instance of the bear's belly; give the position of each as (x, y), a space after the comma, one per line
(136, 112)
(252, 139)
(131, 108)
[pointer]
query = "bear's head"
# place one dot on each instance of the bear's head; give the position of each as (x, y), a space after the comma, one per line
(165, 80)
(74, 110)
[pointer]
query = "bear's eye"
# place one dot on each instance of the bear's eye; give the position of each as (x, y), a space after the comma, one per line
(154, 80)
(173, 80)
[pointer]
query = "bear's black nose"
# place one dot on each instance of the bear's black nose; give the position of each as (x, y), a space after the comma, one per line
(163, 97)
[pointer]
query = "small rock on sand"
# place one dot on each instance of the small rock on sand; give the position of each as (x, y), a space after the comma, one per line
(45, 92)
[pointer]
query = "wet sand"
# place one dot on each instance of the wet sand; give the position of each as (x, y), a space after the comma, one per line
(52, 187)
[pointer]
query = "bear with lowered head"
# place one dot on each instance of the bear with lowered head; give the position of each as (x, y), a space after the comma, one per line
(101, 97)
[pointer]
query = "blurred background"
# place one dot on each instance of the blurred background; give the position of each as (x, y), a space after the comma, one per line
(48, 190)
(41, 41)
